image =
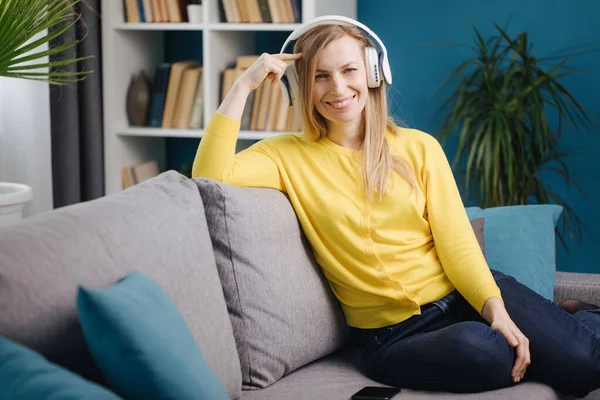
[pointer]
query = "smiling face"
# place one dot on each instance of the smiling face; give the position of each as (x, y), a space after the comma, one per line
(340, 84)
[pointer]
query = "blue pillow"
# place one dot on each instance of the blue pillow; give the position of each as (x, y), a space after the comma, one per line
(520, 242)
(26, 374)
(142, 344)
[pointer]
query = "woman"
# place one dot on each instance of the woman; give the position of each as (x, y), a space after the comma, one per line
(381, 209)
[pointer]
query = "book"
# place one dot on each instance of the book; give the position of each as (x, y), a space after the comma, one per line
(254, 11)
(158, 95)
(148, 11)
(133, 174)
(187, 94)
(244, 12)
(173, 89)
(197, 117)
(132, 11)
(265, 14)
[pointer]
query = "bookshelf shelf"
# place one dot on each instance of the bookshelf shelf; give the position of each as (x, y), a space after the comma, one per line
(190, 133)
(253, 27)
(170, 26)
(128, 48)
(185, 26)
(161, 132)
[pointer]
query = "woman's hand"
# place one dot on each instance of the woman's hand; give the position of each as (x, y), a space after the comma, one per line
(271, 66)
(495, 313)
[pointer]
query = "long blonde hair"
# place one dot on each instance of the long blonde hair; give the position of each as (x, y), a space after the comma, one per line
(377, 159)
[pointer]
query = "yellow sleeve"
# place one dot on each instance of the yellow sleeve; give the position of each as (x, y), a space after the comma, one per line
(453, 236)
(216, 158)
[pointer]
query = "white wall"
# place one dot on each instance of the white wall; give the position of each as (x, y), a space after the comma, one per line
(25, 152)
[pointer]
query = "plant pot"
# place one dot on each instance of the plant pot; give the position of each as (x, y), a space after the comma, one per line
(13, 197)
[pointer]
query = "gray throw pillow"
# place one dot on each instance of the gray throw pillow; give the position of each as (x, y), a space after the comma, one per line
(283, 312)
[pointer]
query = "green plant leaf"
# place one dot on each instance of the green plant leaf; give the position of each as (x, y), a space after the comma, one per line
(23, 20)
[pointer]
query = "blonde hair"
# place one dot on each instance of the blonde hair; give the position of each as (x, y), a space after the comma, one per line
(377, 159)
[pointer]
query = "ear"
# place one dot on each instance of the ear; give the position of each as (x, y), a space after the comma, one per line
(372, 67)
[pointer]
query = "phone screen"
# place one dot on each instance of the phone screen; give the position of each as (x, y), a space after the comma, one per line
(375, 393)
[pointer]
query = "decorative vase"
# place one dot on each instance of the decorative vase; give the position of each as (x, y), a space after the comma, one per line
(138, 99)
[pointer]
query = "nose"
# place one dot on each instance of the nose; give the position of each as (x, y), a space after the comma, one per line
(339, 85)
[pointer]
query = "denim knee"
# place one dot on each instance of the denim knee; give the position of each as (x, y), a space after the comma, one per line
(488, 355)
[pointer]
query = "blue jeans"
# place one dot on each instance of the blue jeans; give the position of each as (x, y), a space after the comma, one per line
(449, 347)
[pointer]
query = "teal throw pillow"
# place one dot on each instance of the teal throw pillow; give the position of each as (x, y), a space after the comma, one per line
(520, 242)
(142, 344)
(26, 375)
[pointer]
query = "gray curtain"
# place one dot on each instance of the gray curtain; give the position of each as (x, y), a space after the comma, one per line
(76, 116)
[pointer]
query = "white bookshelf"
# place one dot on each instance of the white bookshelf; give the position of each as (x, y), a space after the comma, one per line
(128, 48)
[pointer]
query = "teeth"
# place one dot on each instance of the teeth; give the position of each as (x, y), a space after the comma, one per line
(342, 104)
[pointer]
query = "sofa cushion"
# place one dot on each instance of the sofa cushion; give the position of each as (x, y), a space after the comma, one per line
(520, 242)
(337, 377)
(157, 227)
(142, 344)
(26, 374)
(283, 312)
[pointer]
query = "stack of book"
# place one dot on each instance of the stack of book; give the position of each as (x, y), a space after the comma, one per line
(156, 10)
(177, 98)
(267, 108)
(261, 11)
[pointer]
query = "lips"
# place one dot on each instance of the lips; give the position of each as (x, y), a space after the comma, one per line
(342, 103)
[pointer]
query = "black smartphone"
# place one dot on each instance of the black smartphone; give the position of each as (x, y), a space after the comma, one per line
(376, 393)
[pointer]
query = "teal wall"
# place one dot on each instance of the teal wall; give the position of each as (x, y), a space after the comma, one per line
(409, 27)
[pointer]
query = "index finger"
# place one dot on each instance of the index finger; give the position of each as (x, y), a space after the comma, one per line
(521, 362)
(288, 56)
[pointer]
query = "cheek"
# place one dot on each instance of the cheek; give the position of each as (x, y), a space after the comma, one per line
(318, 93)
(360, 82)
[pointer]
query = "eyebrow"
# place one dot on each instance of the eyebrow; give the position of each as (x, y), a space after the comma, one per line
(343, 66)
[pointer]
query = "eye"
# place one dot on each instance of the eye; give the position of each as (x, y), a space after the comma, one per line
(321, 76)
(348, 70)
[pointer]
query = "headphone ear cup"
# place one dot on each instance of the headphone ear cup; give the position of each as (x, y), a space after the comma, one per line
(372, 64)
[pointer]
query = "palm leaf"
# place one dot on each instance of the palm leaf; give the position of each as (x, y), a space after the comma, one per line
(25, 25)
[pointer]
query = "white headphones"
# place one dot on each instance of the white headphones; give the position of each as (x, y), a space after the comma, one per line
(376, 58)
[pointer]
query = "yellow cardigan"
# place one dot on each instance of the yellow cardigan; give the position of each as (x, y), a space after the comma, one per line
(384, 259)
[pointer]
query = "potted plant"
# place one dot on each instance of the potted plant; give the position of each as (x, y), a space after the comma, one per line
(26, 28)
(509, 109)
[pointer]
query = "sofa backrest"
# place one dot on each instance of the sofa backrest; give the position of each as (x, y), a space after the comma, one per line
(157, 227)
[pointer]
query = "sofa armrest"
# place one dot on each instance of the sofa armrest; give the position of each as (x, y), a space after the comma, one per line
(573, 285)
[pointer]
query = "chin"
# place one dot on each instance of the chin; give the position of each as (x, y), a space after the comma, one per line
(338, 119)
(343, 117)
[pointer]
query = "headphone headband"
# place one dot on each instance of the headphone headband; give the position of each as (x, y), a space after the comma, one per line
(341, 20)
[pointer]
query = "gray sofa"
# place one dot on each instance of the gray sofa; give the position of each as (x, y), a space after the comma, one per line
(235, 263)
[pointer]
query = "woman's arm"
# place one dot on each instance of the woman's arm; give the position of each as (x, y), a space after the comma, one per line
(454, 240)
(215, 157)
(461, 256)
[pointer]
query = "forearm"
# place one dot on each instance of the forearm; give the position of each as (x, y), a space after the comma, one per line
(491, 308)
(235, 101)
